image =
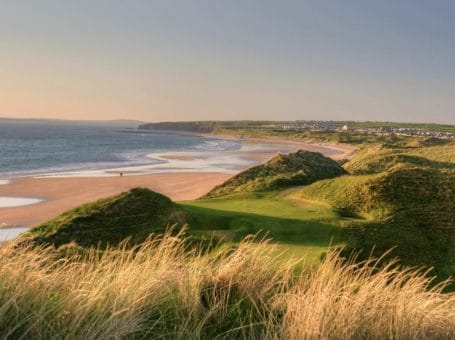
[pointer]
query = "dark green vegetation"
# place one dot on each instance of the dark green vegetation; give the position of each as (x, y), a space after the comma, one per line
(387, 196)
(300, 168)
(406, 194)
(134, 214)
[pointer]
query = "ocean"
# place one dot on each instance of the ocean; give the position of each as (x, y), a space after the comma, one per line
(31, 149)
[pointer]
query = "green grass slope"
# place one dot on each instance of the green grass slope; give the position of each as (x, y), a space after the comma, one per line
(377, 158)
(303, 229)
(134, 214)
(300, 168)
(408, 201)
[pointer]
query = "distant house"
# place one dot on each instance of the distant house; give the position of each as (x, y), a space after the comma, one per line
(345, 128)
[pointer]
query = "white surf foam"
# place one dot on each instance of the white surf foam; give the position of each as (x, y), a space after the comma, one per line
(10, 202)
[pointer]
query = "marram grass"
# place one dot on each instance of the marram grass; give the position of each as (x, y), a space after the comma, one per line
(163, 290)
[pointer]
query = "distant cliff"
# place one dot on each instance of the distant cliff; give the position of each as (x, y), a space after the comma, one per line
(208, 126)
(200, 127)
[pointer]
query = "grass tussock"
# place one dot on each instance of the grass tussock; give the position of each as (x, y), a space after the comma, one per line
(163, 289)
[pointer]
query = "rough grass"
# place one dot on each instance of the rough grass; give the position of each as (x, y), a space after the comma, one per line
(163, 290)
(282, 171)
(382, 157)
(439, 153)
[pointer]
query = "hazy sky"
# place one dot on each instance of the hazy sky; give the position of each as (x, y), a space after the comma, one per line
(214, 59)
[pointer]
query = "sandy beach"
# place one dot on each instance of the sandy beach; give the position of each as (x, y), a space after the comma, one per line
(61, 194)
(184, 176)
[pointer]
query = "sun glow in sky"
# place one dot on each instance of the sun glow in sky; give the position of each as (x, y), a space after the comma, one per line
(205, 59)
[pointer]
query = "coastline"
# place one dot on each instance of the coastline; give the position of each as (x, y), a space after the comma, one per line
(183, 175)
(344, 151)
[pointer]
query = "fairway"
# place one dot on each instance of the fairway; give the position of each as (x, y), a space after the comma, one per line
(301, 228)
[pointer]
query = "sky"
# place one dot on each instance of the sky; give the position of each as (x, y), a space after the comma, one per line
(228, 60)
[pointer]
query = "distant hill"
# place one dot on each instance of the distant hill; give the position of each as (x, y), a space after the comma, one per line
(407, 200)
(300, 168)
(135, 214)
(205, 126)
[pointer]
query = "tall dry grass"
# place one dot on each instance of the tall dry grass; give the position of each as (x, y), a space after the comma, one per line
(162, 289)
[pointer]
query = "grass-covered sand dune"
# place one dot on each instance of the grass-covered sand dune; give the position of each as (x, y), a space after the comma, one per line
(300, 168)
(134, 215)
(406, 194)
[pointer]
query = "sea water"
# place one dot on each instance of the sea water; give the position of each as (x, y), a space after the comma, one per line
(32, 149)
(8, 202)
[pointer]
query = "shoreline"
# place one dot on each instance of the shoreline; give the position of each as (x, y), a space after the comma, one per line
(62, 194)
(164, 162)
(185, 175)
